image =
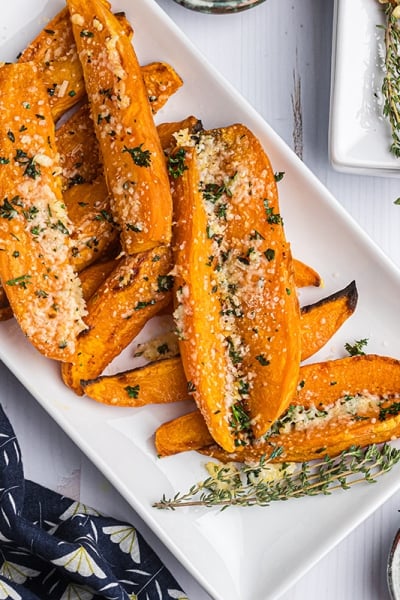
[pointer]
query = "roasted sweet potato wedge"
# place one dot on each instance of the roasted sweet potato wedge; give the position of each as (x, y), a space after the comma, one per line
(344, 402)
(132, 156)
(161, 82)
(237, 309)
(76, 139)
(54, 53)
(305, 275)
(339, 403)
(167, 131)
(35, 231)
(141, 386)
(88, 207)
(320, 320)
(188, 432)
(78, 148)
(135, 291)
(93, 276)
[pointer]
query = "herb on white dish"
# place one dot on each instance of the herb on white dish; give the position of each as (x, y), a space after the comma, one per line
(244, 485)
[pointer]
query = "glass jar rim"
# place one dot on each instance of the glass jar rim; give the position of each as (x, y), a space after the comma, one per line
(219, 6)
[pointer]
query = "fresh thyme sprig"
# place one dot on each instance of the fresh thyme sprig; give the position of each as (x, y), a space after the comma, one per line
(391, 80)
(230, 485)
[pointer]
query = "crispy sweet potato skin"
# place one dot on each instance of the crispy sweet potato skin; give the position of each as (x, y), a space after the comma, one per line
(137, 288)
(132, 156)
(35, 267)
(141, 386)
(321, 385)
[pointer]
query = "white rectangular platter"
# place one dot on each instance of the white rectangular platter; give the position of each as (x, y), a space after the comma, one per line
(360, 136)
(238, 554)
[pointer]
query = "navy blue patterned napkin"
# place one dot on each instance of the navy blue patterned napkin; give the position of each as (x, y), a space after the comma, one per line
(52, 547)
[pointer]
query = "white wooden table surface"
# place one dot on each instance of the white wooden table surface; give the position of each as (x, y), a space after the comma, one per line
(277, 54)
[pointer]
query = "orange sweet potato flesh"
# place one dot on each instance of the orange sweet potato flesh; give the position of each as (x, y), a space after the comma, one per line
(142, 386)
(321, 385)
(78, 148)
(132, 156)
(319, 322)
(199, 306)
(76, 139)
(93, 276)
(35, 269)
(88, 207)
(305, 275)
(161, 82)
(237, 305)
(133, 293)
(54, 52)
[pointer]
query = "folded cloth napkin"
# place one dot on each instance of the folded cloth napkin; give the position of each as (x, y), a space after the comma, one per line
(52, 547)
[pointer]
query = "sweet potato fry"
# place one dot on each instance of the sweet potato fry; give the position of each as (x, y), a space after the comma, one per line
(55, 54)
(319, 321)
(166, 131)
(133, 160)
(237, 309)
(141, 386)
(134, 292)
(161, 82)
(78, 148)
(76, 139)
(188, 432)
(88, 207)
(35, 268)
(305, 275)
(339, 403)
(93, 276)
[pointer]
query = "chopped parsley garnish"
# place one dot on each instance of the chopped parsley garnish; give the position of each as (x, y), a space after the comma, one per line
(141, 158)
(21, 281)
(132, 390)
(176, 164)
(272, 218)
(356, 348)
(262, 360)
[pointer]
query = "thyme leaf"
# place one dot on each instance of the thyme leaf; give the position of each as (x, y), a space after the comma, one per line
(252, 486)
(391, 80)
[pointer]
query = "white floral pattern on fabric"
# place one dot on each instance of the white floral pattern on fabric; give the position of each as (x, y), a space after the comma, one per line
(55, 548)
(7, 591)
(80, 561)
(78, 508)
(17, 573)
(126, 538)
(76, 592)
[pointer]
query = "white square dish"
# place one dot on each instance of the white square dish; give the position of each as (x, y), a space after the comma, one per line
(238, 554)
(360, 137)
